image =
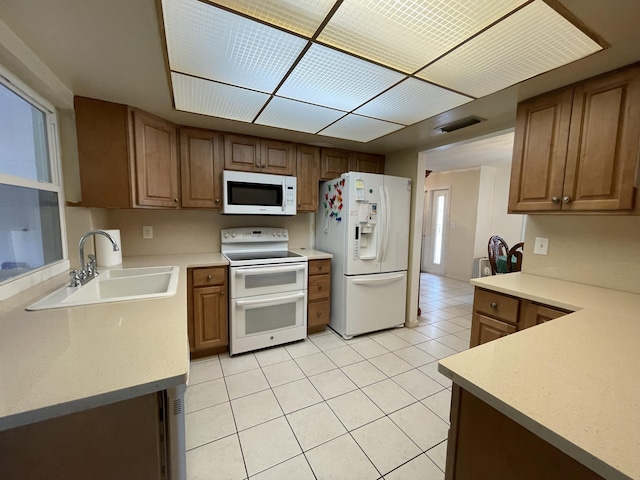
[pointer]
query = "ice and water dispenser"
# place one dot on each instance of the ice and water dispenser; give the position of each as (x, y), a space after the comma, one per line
(365, 237)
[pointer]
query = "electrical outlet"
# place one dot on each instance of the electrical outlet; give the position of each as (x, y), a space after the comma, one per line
(541, 246)
(147, 232)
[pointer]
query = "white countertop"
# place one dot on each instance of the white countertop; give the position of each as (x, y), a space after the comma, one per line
(311, 254)
(55, 362)
(574, 381)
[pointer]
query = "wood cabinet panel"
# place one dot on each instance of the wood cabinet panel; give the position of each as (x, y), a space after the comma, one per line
(278, 157)
(318, 295)
(319, 267)
(319, 287)
(209, 276)
(242, 153)
(485, 329)
(367, 163)
(333, 163)
(308, 176)
(535, 313)
(201, 168)
(496, 305)
(318, 315)
(209, 309)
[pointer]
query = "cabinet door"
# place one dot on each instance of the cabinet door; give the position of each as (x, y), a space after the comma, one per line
(367, 163)
(200, 168)
(242, 153)
(485, 329)
(156, 161)
(308, 174)
(333, 163)
(603, 143)
(277, 157)
(210, 317)
(539, 152)
(534, 314)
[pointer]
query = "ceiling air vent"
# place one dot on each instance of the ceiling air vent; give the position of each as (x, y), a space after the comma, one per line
(458, 124)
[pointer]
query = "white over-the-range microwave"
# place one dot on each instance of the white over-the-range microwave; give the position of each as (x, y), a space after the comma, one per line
(258, 193)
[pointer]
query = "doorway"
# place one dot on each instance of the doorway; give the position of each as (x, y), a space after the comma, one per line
(434, 233)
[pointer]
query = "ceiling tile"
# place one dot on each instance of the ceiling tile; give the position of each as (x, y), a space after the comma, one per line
(216, 99)
(206, 41)
(359, 129)
(299, 16)
(532, 41)
(411, 101)
(408, 34)
(299, 116)
(336, 80)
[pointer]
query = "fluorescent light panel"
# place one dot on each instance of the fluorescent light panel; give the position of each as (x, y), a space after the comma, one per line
(212, 43)
(294, 115)
(359, 129)
(532, 41)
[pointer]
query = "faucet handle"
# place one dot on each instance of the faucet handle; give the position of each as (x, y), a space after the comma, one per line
(74, 280)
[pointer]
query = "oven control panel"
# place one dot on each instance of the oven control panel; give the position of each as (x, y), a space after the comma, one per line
(253, 234)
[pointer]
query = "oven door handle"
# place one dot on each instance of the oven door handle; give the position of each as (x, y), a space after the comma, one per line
(251, 270)
(269, 301)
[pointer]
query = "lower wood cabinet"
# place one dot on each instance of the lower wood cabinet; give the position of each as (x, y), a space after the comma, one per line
(496, 315)
(207, 310)
(318, 295)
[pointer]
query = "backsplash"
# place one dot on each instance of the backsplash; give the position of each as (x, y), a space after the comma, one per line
(596, 250)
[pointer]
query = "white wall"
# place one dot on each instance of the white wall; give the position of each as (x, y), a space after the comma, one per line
(508, 226)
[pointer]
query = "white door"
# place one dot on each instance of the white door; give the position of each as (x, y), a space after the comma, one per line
(395, 219)
(436, 236)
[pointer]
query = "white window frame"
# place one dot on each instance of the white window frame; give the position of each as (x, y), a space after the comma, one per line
(31, 278)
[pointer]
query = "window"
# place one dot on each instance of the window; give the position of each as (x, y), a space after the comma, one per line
(32, 239)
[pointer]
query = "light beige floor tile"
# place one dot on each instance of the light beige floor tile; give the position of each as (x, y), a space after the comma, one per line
(296, 468)
(343, 356)
(326, 331)
(438, 304)
(420, 468)
(456, 311)
(418, 384)
(423, 426)
(462, 321)
(315, 364)
(440, 404)
(363, 373)
(443, 314)
(369, 348)
(208, 424)
(355, 409)
(268, 444)
(465, 335)
(255, 409)
(296, 395)
(204, 371)
(449, 327)
(452, 301)
(357, 339)
(300, 349)
(385, 444)
(272, 355)
(430, 331)
(246, 383)
(222, 457)
(205, 395)
(341, 459)
(414, 356)
(436, 349)
(411, 335)
(282, 373)
(438, 455)
(333, 383)
(390, 364)
(238, 363)
(328, 342)
(454, 342)
(388, 396)
(392, 342)
(315, 425)
(431, 370)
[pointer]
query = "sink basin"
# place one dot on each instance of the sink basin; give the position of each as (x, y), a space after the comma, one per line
(115, 286)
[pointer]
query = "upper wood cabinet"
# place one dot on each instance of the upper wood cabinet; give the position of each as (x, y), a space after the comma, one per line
(253, 154)
(201, 168)
(368, 163)
(308, 174)
(333, 163)
(576, 149)
(127, 157)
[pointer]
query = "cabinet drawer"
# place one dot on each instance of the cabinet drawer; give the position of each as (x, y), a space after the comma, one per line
(318, 313)
(319, 287)
(209, 276)
(485, 329)
(319, 267)
(496, 305)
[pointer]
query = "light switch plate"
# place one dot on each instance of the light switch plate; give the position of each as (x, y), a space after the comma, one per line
(541, 246)
(147, 232)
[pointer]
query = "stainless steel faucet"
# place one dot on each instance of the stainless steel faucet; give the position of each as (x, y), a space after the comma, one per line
(88, 270)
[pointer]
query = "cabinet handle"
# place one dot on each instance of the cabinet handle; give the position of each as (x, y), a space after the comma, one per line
(318, 314)
(299, 205)
(209, 277)
(264, 165)
(217, 200)
(320, 267)
(494, 305)
(555, 199)
(566, 199)
(221, 292)
(319, 287)
(176, 200)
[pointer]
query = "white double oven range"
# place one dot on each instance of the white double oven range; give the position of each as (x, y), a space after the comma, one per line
(268, 288)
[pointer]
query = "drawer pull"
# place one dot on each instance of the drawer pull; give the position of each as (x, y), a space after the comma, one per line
(318, 314)
(494, 305)
(209, 277)
(221, 292)
(319, 287)
(320, 267)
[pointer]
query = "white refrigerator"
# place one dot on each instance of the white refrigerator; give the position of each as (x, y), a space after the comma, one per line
(363, 220)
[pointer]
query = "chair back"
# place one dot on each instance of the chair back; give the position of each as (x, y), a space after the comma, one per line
(497, 248)
(514, 259)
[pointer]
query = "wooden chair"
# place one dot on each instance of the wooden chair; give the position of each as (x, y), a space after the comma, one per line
(515, 252)
(497, 248)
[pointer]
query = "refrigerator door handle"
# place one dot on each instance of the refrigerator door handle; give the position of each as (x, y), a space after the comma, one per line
(383, 226)
(378, 281)
(387, 217)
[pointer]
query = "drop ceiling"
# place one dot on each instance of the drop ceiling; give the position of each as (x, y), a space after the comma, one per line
(357, 69)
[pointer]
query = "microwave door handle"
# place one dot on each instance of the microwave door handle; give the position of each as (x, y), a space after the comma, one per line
(284, 195)
(253, 270)
(269, 301)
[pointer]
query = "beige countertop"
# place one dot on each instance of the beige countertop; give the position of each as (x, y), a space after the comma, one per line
(59, 361)
(574, 381)
(311, 254)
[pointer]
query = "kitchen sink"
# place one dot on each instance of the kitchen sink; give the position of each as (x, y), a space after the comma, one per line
(115, 285)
